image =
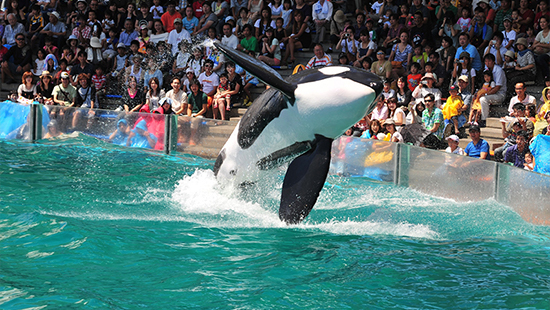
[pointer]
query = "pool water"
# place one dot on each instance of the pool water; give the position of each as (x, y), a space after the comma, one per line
(87, 225)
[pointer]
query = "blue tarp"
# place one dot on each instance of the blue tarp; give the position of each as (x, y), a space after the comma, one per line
(539, 148)
(14, 118)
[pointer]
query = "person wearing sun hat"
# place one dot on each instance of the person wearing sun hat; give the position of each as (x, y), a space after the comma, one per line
(525, 69)
(45, 88)
(94, 53)
(425, 87)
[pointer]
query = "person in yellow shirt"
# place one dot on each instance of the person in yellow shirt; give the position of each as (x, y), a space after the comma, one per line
(452, 110)
(546, 106)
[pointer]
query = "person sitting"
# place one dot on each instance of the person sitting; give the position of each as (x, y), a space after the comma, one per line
(496, 48)
(395, 136)
(380, 111)
(85, 99)
(521, 97)
(432, 119)
(141, 137)
(453, 147)
(120, 135)
(452, 109)
(27, 89)
(477, 148)
(516, 153)
(321, 59)
(525, 69)
(427, 86)
(197, 108)
(178, 96)
(497, 94)
(249, 42)
(16, 60)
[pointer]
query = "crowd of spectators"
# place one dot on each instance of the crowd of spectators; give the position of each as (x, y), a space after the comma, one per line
(444, 63)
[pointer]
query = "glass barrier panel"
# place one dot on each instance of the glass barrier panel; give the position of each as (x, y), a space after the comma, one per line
(203, 137)
(143, 130)
(451, 176)
(357, 157)
(525, 192)
(15, 120)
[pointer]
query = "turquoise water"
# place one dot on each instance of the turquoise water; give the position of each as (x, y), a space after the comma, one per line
(85, 225)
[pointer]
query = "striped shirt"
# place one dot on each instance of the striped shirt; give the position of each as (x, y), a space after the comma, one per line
(326, 60)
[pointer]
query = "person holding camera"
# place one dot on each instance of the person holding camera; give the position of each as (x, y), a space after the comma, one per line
(394, 30)
(426, 87)
(348, 44)
(479, 31)
(449, 28)
(496, 48)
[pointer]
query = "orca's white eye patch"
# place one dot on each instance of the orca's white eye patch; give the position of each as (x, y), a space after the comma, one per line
(330, 70)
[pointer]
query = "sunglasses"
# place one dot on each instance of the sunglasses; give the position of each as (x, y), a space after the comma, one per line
(428, 100)
(379, 53)
(208, 66)
(20, 39)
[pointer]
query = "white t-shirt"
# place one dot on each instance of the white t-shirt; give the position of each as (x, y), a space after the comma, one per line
(508, 36)
(540, 38)
(458, 150)
(209, 83)
(178, 99)
(528, 100)
(174, 38)
(231, 41)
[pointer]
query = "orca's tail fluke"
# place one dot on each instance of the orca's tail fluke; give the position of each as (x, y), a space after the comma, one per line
(304, 181)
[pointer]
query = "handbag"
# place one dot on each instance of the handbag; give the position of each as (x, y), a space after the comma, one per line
(396, 64)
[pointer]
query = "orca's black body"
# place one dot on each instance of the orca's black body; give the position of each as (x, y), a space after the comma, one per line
(295, 121)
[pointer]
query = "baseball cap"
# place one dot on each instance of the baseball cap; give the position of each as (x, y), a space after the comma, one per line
(177, 20)
(453, 138)
(64, 75)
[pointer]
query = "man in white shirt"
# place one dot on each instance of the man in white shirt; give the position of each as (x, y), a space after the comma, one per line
(496, 95)
(209, 79)
(177, 35)
(322, 14)
(12, 29)
(229, 38)
(521, 97)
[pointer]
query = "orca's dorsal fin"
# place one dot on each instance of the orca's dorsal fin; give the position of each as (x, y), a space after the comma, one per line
(259, 69)
(304, 180)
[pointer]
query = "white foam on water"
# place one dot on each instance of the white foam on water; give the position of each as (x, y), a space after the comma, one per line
(378, 228)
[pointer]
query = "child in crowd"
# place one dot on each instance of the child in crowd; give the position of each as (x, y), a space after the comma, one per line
(488, 85)
(62, 68)
(156, 9)
(387, 92)
(39, 62)
(343, 59)
(108, 22)
(249, 81)
(196, 62)
(99, 79)
(464, 21)
(280, 32)
(529, 162)
(121, 60)
(509, 61)
(286, 16)
(50, 48)
(453, 108)
(221, 99)
(418, 57)
(413, 79)
(111, 45)
(50, 64)
(516, 18)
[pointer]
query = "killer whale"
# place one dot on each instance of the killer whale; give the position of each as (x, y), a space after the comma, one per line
(295, 121)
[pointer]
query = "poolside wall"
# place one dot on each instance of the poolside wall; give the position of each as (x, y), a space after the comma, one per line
(432, 172)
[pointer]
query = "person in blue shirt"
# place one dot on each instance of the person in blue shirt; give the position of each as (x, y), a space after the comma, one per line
(478, 147)
(465, 46)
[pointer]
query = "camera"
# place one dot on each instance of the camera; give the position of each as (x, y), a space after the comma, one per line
(346, 35)
(424, 82)
(461, 61)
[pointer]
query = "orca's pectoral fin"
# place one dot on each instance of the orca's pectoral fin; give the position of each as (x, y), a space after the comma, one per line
(304, 180)
(259, 69)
